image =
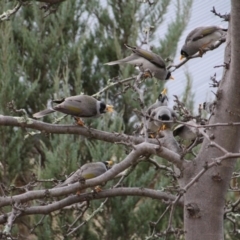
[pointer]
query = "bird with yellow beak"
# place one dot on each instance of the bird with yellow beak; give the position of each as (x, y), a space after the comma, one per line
(147, 61)
(201, 38)
(162, 100)
(159, 114)
(80, 106)
(87, 171)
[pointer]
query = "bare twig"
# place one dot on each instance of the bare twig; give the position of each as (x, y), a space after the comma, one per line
(225, 17)
(218, 160)
(112, 84)
(38, 224)
(16, 211)
(214, 81)
(159, 166)
(99, 209)
(147, 32)
(12, 107)
(154, 224)
(173, 205)
(72, 230)
(6, 15)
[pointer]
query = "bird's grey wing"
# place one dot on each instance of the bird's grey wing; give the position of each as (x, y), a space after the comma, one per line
(72, 178)
(203, 32)
(81, 105)
(92, 170)
(178, 129)
(193, 34)
(150, 56)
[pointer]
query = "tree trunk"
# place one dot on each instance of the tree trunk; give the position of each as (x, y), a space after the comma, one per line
(204, 202)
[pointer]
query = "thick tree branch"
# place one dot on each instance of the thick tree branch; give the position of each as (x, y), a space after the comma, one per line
(141, 149)
(170, 155)
(154, 194)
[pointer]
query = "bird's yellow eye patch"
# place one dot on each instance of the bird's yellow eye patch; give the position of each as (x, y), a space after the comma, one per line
(110, 162)
(181, 57)
(109, 108)
(164, 91)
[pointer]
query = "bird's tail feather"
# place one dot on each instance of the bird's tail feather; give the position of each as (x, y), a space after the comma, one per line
(43, 113)
(130, 47)
(114, 62)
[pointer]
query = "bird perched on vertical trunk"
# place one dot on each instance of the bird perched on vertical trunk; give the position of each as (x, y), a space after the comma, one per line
(146, 60)
(201, 38)
(78, 106)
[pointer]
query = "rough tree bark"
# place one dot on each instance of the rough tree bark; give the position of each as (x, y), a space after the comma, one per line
(204, 203)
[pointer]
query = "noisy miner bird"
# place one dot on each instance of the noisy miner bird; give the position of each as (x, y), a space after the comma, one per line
(146, 61)
(87, 171)
(78, 106)
(159, 114)
(201, 38)
(186, 132)
(162, 100)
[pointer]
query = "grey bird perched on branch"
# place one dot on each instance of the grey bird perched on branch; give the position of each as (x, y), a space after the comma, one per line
(159, 114)
(78, 106)
(162, 100)
(201, 38)
(146, 60)
(87, 171)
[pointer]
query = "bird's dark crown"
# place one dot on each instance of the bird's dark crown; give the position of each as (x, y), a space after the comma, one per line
(162, 98)
(102, 108)
(204, 105)
(108, 164)
(183, 53)
(168, 75)
(164, 117)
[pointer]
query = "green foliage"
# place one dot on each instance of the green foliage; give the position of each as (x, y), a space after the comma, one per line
(62, 55)
(188, 96)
